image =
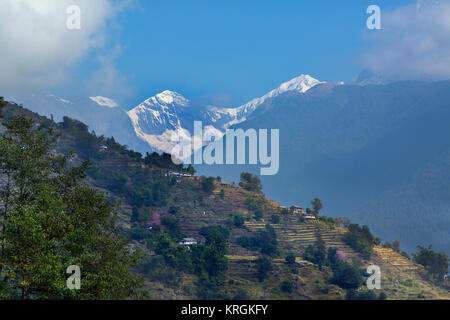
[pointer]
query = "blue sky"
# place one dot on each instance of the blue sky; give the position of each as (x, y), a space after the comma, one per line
(234, 51)
(223, 52)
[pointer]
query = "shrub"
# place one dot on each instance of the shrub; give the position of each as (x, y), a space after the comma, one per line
(263, 267)
(287, 286)
(435, 263)
(250, 182)
(275, 219)
(206, 231)
(258, 214)
(360, 239)
(317, 253)
(290, 259)
(208, 185)
(238, 220)
(346, 276)
(265, 241)
(172, 227)
(382, 296)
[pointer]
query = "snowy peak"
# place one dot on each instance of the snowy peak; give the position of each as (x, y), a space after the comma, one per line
(300, 84)
(157, 114)
(171, 97)
(166, 98)
(105, 102)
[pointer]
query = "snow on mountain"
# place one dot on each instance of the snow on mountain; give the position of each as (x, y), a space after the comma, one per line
(159, 119)
(105, 102)
(158, 113)
(299, 84)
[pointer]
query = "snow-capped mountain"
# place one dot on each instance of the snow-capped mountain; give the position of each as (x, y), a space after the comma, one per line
(162, 119)
(299, 84)
(159, 113)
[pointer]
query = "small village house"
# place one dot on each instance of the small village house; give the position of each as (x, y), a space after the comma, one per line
(188, 242)
(298, 210)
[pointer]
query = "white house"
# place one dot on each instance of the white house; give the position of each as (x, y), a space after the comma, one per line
(188, 242)
(298, 210)
(309, 217)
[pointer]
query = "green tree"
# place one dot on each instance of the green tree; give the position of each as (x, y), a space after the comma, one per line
(317, 205)
(382, 296)
(346, 276)
(267, 241)
(275, 219)
(396, 246)
(191, 170)
(259, 214)
(238, 220)
(360, 239)
(287, 286)
(436, 263)
(290, 259)
(172, 227)
(317, 253)
(250, 182)
(51, 219)
(206, 231)
(263, 267)
(208, 185)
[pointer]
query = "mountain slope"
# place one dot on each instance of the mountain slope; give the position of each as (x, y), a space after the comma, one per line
(101, 114)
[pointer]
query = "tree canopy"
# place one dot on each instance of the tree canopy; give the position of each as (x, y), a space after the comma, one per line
(250, 182)
(51, 219)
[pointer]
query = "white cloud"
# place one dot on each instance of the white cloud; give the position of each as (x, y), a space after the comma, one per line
(414, 42)
(37, 48)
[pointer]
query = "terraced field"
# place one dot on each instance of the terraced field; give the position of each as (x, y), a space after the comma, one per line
(394, 259)
(297, 237)
(237, 258)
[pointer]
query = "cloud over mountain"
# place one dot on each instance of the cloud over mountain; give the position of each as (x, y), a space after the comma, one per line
(413, 42)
